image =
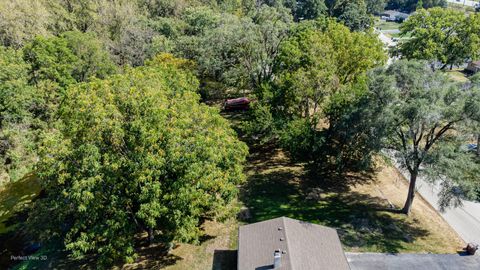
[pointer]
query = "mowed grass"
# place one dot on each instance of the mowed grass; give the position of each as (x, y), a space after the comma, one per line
(277, 188)
(14, 197)
(14, 200)
(384, 25)
(458, 76)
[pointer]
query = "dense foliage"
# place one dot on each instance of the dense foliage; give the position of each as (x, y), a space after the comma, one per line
(426, 114)
(136, 152)
(17, 102)
(444, 36)
(319, 74)
(412, 5)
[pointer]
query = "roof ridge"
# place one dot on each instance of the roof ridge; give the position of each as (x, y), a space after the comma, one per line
(287, 243)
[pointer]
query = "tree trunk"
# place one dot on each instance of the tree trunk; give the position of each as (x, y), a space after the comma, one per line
(411, 192)
(478, 145)
(150, 236)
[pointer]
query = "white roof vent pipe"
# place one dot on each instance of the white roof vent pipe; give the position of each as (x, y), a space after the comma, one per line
(277, 259)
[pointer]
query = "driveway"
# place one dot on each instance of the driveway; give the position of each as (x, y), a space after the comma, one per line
(464, 2)
(381, 261)
(388, 42)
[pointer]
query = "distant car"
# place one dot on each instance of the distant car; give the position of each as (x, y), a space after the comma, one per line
(241, 104)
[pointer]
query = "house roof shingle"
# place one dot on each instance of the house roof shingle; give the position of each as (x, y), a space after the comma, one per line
(304, 246)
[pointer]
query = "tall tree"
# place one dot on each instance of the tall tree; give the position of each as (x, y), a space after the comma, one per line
(239, 52)
(412, 5)
(17, 99)
(309, 9)
(321, 62)
(354, 14)
(441, 35)
(23, 20)
(425, 112)
(69, 58)
(375, 6)
(136, 152)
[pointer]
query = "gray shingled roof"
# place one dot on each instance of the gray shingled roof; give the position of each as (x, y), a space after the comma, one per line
(305, 246)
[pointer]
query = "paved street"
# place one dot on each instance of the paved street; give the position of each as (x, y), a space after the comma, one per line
(382, 261)
(464, 2)
(386, 39)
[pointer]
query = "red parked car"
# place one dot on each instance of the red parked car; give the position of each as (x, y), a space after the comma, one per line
(242, 103)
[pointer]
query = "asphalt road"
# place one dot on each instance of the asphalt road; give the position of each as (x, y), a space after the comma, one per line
(382, 261)
(465, 220)
(464, 2)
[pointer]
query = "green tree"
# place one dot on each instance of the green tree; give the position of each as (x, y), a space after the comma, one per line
(354, 14)
(240, 52)
(23, 20)
(412, 5)
(136, 152)
(50, 59)
(441, 35)
(309, 9)
(16, 101)
(419, 5)
(375, 6)
(93, 60)
(425, 113)
(319, 73)
(72, 57)
(322, 56)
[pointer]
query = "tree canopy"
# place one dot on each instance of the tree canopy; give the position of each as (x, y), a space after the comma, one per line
(321, 63)
(446, 36)
(426, 113)
(17, 100)
(412, 5)
(136, 152)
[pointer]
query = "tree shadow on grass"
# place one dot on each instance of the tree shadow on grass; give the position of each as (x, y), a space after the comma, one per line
(224, 260)
(277, 189)
(153, 257)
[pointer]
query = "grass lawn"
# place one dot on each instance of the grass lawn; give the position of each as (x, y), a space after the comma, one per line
(457, 75)
(399, 36)
(384, 25)
(277, 188)
(14, 198)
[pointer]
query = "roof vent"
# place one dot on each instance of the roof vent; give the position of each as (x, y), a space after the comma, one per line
(277, 259)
